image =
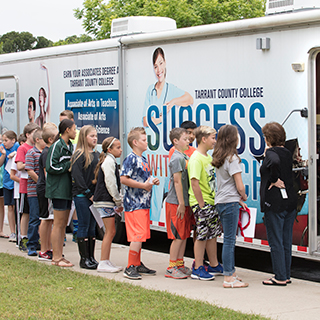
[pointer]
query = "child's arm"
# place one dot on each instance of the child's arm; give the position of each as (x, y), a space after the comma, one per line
(12, 154)
(33, 175)
(240, 186)
(53, 163)
(197, 192)
(126, 180)
(179, 191)
(3, 155)
(13, 176)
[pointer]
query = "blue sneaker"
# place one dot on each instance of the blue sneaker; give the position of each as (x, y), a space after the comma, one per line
(32, 253)
(217, 271)
(201, 274)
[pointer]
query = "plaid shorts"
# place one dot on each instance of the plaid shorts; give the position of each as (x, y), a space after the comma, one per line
(208, 224)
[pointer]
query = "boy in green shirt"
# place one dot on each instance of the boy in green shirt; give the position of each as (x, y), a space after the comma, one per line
(201, 198)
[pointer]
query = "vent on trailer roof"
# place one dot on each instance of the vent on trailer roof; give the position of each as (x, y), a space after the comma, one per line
(135, 25)
(281, 6)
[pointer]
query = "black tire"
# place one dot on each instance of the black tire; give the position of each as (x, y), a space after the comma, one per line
(121, 235)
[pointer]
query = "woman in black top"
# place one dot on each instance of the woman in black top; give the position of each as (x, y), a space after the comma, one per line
(278, 201)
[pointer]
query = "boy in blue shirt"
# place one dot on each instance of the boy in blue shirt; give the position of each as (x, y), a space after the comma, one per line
(135, 175)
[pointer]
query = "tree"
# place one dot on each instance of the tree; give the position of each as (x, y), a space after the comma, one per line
(73, 39)
(14, 42)
(97, 15)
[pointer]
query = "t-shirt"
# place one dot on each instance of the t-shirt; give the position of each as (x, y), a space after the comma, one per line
(32, 163)
(7, 182)
(200, 168)
(136, 168)
(41, 184)
(226, 187)
(188, 152)
(178, 163)
(1, 176)
(16, 185)
(21, 157)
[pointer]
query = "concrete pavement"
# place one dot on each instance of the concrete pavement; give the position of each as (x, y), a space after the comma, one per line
(299, 300)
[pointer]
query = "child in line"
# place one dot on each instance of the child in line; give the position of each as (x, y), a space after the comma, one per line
(20, 160)
(58, 187)
(201, 198)
(15, 175)
(135, 175)
(2, 235)
(32, 167)
(107, 198)
(177, 205)
(9, 150)
(50, 131)
(230, 193)
(83, 164)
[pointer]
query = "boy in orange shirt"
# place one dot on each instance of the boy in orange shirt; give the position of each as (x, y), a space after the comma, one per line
(135, 175)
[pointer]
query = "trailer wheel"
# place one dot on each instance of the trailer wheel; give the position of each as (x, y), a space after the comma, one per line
(121, 236)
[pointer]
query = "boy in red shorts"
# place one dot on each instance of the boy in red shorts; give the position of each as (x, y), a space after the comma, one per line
(177, 205)
(135, 175)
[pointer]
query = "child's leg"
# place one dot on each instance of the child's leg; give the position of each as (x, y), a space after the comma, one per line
(109, 234)
(24, 224)
(11, 219)
(1, 216)
(58, 231)
(211, 248)
(199, 248)
(134, 254)
(175, 250)
(45, 234)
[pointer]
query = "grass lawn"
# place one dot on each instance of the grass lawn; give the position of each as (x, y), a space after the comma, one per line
(33, 290)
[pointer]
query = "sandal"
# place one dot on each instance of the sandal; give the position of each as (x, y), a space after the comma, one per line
(273, 282)
(237, 278)
(235, 284)
(63, 263)
(5, 236)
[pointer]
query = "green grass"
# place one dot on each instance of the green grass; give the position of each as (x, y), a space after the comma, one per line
(32, 290)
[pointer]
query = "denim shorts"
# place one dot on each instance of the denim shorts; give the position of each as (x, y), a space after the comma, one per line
(61, 204)
(106, 212)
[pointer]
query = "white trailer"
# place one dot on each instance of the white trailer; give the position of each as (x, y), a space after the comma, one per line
(246, 73)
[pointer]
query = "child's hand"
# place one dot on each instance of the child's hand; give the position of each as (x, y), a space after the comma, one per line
(3, 151)
(147, 185)
(12, 154)
(156, 181)
(245, 198)
(242, 204)
(119, 209)
(181, 211)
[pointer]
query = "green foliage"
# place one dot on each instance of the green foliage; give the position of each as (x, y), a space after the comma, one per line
(43, 42)
(97, 15)
(73, 39)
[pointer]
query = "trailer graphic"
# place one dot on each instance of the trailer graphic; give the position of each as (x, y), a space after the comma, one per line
(245, 73)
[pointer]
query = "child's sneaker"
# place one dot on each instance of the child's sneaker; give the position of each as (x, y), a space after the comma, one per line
(216, 271)
(23, 245)
(132, 273)
(114, 266)
(104, 266)
(201, 274)
(185, 270)
(45, 256)
(12, 237)
(145, 270)
(175, 273)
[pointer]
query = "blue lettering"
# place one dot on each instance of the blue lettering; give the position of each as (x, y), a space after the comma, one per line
(153, 127)
(216, 109)
(257, 128)
(188, 109)
(255, 179)
(234, 107)
(165, 125)
(206, 109)
(246, 171)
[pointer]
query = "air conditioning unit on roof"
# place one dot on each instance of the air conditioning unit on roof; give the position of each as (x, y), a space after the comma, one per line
(136, 25)
(281, 6)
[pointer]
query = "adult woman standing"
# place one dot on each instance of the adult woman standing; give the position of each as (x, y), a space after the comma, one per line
(165, 96)
(278, 201)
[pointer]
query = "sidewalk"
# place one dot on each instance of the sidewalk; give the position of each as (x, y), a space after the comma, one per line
(299, 300)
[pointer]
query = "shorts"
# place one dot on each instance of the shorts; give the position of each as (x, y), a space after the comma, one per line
(208, 224)
(61, 204)
(45, 207)
(1, 192)
(24, 204)
(177, 228)
(8, 197)
(106, 212)
(137, 225)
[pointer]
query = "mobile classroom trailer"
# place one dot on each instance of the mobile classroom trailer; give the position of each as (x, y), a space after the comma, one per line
(246, 73)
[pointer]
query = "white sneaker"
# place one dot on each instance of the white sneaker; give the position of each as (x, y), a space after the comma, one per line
(104, 266)
(114, 266)
(12, 237)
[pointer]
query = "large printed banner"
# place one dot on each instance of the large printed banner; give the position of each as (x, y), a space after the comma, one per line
(97, 108)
